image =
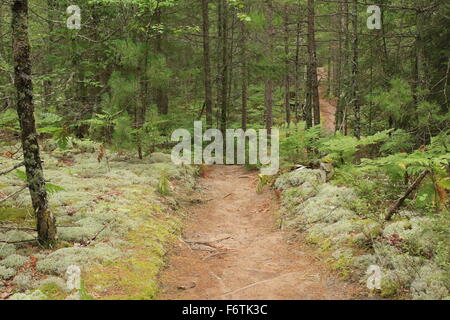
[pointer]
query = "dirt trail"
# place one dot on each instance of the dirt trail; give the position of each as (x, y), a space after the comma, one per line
(233, 250)
(328, 112)
(327, 107)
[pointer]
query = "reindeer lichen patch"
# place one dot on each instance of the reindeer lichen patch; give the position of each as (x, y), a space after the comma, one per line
(57, 262)
(7, 249)
(35, 295)
(14, 261)
(109, 218)
(411, 251)
(134, 276)
(6, 273)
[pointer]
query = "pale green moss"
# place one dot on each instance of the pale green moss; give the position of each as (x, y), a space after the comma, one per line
(17, 215)
(52, 291)
(389, 288)
(54, 281)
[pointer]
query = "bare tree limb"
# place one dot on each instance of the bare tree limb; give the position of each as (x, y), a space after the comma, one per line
(394, 209)
(12, 169)
(14, 194)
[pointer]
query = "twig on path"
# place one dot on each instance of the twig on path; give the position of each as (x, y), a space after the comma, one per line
(203, 243)
(213, 255)
(228, 195)
(184, 242)
(210, 244)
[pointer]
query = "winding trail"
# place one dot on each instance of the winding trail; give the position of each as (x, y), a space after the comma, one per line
(232, 249)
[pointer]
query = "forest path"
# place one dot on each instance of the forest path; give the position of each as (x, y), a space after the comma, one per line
(327, 107)
(327, 112)
(232, 249)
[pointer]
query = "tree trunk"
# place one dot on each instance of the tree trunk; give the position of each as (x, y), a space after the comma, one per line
(162, 98)
(287, 89)
(314, 84)
(297, 73)
(339, 61)
(244, 76)
(141, 106)
(46, 225)
(355, 71)
(47, 83)
(207, 64)
(268, 91)
(224, 71)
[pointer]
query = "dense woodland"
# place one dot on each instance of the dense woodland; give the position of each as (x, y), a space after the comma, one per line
(136, 70)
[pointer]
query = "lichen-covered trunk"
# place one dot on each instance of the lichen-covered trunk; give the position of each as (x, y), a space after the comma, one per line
(46, 225)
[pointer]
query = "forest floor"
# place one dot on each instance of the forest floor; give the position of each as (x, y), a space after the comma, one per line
(233, 249)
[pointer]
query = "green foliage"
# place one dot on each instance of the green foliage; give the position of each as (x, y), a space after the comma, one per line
(264, 181)
(84, 294)
(163, 185)
(9, 120)
(102, 125)
(51, 188)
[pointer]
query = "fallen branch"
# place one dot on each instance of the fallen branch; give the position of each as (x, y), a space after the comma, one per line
(17, 228)
(13, 194)
(207, 243)
(12, 169)
(98, 233)
(394, 209)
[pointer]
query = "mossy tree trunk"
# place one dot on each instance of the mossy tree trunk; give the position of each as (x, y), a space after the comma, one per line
(46, 225)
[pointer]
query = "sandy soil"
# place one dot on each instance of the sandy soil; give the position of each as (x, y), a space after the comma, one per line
(233, 249)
